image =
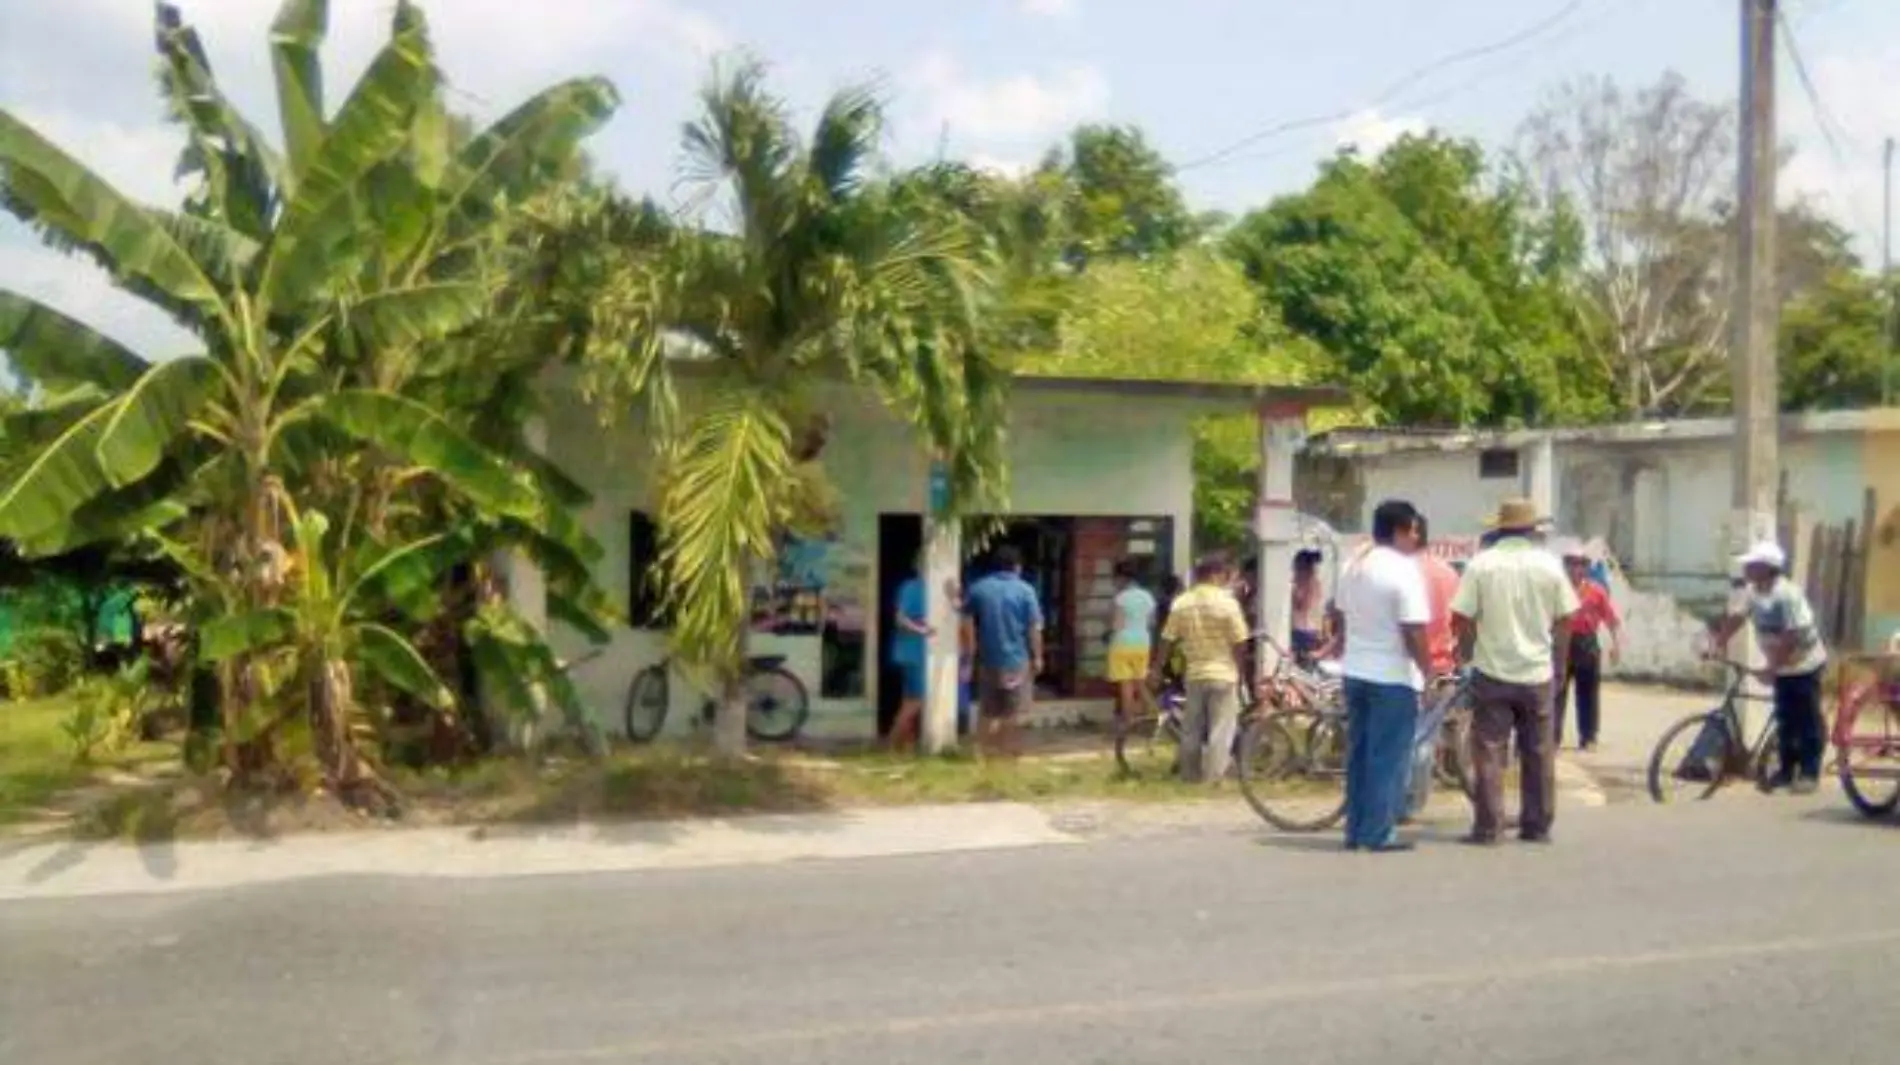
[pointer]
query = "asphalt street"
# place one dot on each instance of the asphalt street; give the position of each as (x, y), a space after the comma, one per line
(1742, 930)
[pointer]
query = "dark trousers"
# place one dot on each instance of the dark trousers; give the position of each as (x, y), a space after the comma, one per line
(1585, 673)
(1798, 724)
(1381, 720)
(1501, 710)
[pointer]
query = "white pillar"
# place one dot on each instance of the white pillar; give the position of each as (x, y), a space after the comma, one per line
(1540, 477)
(943, 551)
(1282, 429)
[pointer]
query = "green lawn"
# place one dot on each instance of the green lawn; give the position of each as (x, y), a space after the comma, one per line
(36, 758)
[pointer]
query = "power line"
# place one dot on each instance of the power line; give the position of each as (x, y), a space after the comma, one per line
(1459, 89)
(1833, 131)
(1392, 90)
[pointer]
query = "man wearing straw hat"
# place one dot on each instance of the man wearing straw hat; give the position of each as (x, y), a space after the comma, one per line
(1512, 612)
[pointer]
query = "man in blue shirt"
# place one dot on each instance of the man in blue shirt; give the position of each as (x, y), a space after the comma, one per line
(1003, 621)
(910, 629)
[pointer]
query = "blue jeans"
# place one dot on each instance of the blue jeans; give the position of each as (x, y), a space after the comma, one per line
(1381, 726)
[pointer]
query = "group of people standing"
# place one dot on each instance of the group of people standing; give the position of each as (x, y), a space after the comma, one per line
(1403, 619)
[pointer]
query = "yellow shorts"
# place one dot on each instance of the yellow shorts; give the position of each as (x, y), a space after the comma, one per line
(1127, 663)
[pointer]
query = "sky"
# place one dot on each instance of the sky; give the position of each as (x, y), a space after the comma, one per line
(996, 82)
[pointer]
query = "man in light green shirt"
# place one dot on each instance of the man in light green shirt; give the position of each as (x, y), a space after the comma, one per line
(1512, 610)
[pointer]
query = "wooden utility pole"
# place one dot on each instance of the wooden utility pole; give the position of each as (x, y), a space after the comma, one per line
(1756, 316)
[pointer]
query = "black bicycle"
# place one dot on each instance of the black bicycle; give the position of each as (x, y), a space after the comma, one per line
(777, 703)
(1713, 748)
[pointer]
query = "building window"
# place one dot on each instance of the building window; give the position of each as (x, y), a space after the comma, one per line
(1497, 463)
(645, 607)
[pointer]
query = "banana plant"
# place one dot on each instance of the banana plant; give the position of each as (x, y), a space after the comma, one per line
(324, 282)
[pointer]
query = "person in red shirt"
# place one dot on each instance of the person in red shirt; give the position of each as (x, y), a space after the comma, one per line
(1441, 583)
(1595, 613)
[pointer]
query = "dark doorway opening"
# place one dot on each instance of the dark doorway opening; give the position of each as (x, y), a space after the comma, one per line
(900, 540)
(1047, 546)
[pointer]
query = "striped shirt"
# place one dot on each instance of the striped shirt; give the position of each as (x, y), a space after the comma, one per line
(1206, 621)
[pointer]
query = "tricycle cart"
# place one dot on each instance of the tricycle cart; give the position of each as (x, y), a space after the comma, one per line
(1866, 734)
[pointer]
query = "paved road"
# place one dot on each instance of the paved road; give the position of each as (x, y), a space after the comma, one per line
(1743, 930)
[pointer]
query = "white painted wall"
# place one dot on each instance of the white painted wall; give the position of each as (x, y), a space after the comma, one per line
(1077, 455)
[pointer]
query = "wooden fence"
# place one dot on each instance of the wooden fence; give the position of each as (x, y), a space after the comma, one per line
(1830, 562)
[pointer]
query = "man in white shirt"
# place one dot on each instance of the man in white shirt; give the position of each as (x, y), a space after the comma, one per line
(1513, 612)
(1381, 611)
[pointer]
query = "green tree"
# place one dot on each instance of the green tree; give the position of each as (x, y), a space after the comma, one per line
(1189, 316)
(322, 281)
(820, 275)
(1119, 195)
(1831, 344)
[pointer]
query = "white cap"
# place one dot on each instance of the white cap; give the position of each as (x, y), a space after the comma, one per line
(1764, 553)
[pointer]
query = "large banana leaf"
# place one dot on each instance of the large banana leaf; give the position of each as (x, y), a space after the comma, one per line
(239, 168)
(45, 187)
(151, 415)
(373, 124)
(122, 513)
(40, 494)
(421, 437)
(296, 38)
(527, 146)
(402, 317)
(223, 253)
(231, 635)
(54, 351)
(399, 664)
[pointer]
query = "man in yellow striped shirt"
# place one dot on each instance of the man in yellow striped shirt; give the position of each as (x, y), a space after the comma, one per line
(1206, 623)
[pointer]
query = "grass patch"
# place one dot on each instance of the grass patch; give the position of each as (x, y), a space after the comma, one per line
(36, 758)
(658, 783)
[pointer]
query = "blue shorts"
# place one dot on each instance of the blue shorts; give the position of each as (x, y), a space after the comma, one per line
(913, 679)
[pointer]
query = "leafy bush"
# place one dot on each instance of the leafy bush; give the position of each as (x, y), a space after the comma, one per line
(107, 711)
(44, 662)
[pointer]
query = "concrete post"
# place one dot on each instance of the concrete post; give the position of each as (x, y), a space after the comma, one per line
(525, 589)
(1282, 429)
(943, 553)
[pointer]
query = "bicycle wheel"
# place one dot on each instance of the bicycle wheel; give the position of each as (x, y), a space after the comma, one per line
(1766, 759)
(1293, 771)
(776, 705)
(1693, 756)
(1869, 761)
(1150, 747)
(1451, 763)
(646, 705)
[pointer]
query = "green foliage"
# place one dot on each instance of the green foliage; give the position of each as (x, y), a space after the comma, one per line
(1831, 344)
(1425, 282)
(107, 711)
(1118, 195)
(43, 661)
(366, 305)
(826, 276)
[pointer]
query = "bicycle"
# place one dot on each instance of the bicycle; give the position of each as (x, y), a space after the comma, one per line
(777, 703)
(1718, 749)
(1867, 751)
(1293, 759)
(1150, 746)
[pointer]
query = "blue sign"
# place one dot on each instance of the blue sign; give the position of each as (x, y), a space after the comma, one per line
(939, 488)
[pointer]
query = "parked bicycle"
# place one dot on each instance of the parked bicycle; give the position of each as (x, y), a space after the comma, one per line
(777, 703)
(1150, 746)
(1293, 758)
(1714, 747)
(1866, 736)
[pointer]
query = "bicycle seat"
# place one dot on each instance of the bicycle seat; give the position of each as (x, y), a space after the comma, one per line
(764, 663)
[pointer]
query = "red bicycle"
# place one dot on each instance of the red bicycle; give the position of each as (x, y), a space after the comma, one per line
(1866, 733)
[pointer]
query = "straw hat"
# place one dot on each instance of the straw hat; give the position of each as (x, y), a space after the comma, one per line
(1515, 515)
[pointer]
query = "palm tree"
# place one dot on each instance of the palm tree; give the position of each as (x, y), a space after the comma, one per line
(329, 285)
(795, 267)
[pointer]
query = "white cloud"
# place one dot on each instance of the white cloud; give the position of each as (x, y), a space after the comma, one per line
(1864, 101)
(1049, 8)
(1001, 167)
(1016, 109)
(1372, 132)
